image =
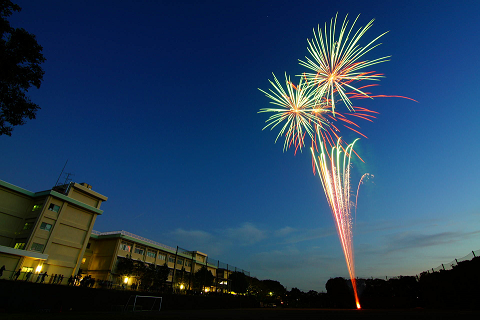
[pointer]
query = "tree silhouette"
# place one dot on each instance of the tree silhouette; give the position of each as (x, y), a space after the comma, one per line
(202, 278)
(20, 59)
(239, 282)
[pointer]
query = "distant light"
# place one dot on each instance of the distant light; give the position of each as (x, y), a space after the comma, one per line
(125, 280)
(182, 287)
(38, 269)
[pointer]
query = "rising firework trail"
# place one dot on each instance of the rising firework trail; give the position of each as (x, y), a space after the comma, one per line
(334, 173)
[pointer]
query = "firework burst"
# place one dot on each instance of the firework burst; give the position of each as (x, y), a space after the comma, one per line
(297, 113)
(335, 61)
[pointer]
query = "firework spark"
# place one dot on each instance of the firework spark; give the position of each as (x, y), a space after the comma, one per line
(334, 173)
(335, 61)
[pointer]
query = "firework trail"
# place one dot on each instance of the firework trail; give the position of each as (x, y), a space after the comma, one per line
(334, 173)
(365, 176)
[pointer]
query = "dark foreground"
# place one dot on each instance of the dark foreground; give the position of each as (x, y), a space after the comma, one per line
(263, 314)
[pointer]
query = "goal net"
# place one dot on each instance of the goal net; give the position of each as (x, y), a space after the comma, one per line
(144, 303)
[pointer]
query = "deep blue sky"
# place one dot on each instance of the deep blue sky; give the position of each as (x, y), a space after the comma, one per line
(154, 103)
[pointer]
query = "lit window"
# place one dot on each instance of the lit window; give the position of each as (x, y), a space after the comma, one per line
(37, 247)
(46, 226)
(161, 256)
(151, 254)
(27, 269)
(139, 250)
(83, 260)
(37, 207)
(54, 207)
(19, 245)
(27, 226)
(126, 247)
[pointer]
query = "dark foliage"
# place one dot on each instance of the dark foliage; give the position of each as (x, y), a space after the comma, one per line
(239, 282)
(202, 278)
(20, 59)
(340, 294)
(455, 288)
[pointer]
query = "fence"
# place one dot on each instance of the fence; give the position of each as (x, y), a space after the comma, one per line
(445, 266)
(453, 263)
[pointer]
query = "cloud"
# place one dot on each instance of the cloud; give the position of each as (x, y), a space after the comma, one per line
(200, 240)
(247, 234)
(409, 239)
(284, 231)
(296, 236)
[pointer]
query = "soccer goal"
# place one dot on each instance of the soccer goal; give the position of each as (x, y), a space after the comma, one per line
(144, 303)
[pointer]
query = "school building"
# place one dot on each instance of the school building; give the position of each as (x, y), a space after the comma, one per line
(52, 231)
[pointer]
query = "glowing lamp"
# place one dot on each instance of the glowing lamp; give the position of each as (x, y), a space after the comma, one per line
(38, 269)
(182, 287)
(125, 280)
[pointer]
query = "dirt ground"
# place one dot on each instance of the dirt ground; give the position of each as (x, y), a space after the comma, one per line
(256, 314)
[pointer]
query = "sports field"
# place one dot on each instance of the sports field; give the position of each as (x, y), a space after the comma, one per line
(257, 314)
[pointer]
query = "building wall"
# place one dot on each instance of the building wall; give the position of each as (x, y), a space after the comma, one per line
(50, 223)
(15, 210)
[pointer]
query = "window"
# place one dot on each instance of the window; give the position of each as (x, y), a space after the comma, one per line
(27, 269)
(126, 247)
(83, 260)
(54, 207)
(19, 245)
(37, 247)
(46, 226)
(27, 226)
(151, 254)
(37, 207)
(139, 250)
(180, 261)
(171, 259)
(161, 256)
(188, 263)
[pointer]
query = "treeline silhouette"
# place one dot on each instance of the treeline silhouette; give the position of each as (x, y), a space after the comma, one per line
(456, 288)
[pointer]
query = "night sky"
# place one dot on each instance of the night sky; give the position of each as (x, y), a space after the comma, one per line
(154, 103)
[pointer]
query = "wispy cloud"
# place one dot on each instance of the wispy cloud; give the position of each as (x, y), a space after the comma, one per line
(201, 240)
(296, 236)
(246, 234)
(284, 231)
(410, 239)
